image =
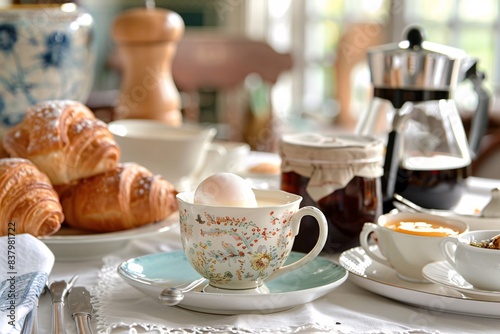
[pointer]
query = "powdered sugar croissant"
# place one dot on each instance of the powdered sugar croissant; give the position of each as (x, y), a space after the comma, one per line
(126, 197)
(28, 202)
(64, 140)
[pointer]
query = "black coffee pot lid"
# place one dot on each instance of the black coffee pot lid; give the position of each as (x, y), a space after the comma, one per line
(415, 64)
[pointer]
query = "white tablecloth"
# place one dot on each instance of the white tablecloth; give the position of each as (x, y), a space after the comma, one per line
(348, 309)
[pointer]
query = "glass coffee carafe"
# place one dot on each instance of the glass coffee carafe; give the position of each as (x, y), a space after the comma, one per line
(428, 153)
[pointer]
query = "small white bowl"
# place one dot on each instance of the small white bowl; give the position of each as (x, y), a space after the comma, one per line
(176, 153)
(478, 266)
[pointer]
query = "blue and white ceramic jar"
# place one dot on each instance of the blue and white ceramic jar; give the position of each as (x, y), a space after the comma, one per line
(45, 54)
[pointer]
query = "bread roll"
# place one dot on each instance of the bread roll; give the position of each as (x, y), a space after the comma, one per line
(64, 140)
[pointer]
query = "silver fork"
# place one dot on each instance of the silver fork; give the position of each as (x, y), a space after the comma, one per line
(58, 291)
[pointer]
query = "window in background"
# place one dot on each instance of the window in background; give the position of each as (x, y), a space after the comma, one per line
(313, 30)
(466, 24)
(337, 35)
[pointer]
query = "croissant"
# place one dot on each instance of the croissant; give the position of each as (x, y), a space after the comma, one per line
(126, 197)
(64, 140)
(28, 202)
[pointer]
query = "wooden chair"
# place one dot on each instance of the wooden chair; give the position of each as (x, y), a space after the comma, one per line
(487, 162)
(222, 62)
(354, 43)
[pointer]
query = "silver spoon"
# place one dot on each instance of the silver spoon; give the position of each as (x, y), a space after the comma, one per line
(174, 295)
(407, 204)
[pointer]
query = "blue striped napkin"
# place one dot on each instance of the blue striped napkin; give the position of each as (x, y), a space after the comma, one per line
(25, 265)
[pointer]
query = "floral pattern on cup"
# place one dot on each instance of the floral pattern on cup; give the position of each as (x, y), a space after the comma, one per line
(240, 248)
(232, 244)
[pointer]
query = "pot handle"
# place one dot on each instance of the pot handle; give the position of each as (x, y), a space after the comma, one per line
(480, 118)
(392, 155)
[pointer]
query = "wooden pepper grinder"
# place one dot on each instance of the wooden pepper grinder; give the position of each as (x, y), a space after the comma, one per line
(147, 41)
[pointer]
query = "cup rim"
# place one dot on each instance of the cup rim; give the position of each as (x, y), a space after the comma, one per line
(185, 196)
(69, 9)
(29, 6)
(465, 239)
(445, 220)
(122, 128)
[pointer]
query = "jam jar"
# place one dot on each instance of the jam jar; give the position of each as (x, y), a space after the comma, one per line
(341, 176)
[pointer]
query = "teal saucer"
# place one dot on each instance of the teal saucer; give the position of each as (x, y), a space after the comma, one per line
(150, 274)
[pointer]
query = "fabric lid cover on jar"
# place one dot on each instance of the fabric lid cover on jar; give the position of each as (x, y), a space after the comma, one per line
(329, 161)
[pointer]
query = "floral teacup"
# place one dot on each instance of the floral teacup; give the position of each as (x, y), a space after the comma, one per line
(239, 248)
(45, 54)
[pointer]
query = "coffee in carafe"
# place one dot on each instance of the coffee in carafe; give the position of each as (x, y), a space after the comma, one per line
(435, 187)
(427, 151)
(435, 159)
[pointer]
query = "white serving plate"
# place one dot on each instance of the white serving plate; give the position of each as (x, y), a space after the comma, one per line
(384, 281)
(70, 244)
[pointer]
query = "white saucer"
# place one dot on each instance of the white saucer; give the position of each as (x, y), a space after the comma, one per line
(150, 274)
(442, 273)
(382, 280)
(70, 244)
(262, 290)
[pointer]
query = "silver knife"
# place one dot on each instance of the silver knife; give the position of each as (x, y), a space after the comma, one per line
(81, 309)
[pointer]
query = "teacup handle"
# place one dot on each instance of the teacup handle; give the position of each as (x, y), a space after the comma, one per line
(215, 153)
(368, 228)
(323, 234)
(217, 149)
(448, 252)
